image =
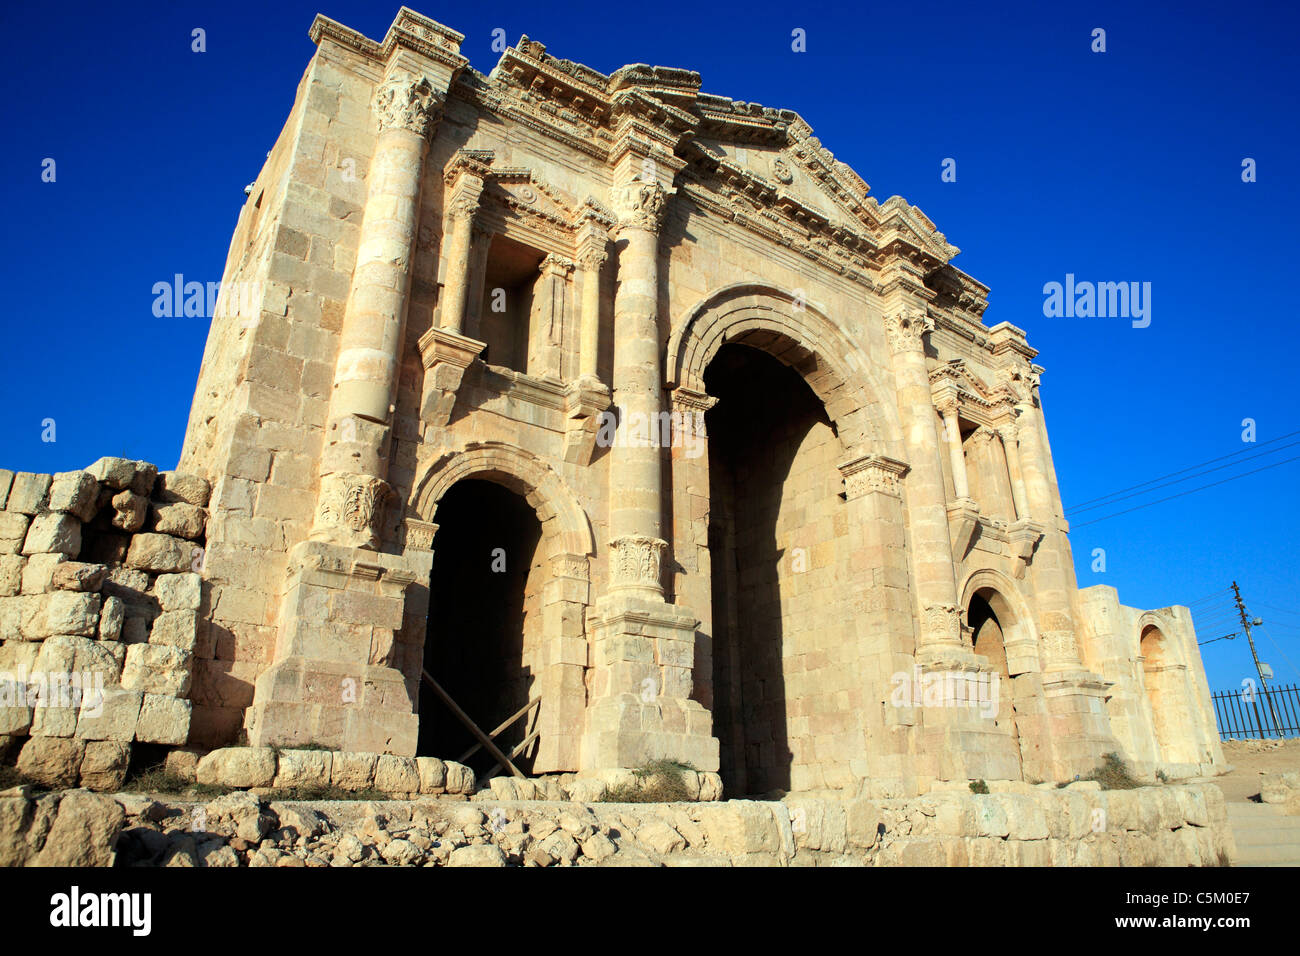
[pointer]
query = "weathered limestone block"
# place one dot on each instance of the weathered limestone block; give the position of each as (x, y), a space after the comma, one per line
(75, 660)
(11, 574)
(738, 827)
(175, 629)
(178, 486)
(114, 472)
(484, 854)
(78, 576)
(53, 533)
(179, 519)
(460, 779)
(76, 492)
(353, 771)
(433, 774)
(183, 763)
(238, 767)
(395, 774)
(163, 720)
(13, 529)
(83, 832)
(158, 669)
(178, 592)
(110, 715)
(27, 493)
(53, 761)
(304, 768)
(239, 814)
(159, 553)
(129, 510)
(38, 572)
(105, 764)
(1282, 788)
(110, 619)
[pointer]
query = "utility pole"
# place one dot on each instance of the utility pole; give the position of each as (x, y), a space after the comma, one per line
(1245, 625)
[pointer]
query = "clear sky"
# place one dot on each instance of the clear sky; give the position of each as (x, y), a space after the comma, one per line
(1117, 166)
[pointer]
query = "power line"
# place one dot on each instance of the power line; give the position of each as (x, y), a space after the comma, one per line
(1191, 491)
(1112, 499)
(1280, 610)
(1190, 468)
(1221, 594)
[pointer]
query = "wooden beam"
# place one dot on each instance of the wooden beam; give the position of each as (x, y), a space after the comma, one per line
(483, 738)
(504, 724)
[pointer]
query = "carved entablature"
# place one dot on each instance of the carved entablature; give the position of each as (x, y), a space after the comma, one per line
(872, 474)
(953, 385)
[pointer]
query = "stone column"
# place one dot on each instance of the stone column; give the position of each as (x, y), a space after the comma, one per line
(952, 432)
(1011, 451)
(462, 207)
(635, 515)
(592, 253)
(546, 329)
(936, 586)
(354, 461)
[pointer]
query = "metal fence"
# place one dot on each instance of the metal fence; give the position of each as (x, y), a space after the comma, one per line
(1256, 712)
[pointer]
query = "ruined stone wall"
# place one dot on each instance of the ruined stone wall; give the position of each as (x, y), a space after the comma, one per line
(102, 617)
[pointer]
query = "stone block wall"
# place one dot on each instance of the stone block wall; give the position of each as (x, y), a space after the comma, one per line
(101, 616)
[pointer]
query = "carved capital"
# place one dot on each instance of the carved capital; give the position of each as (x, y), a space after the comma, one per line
(592, 257)
(351, 510)
(872, 474)
(463, 207)
(640, 205)
(941, 624)
(635, 562)
(419, 534)
(557, 266)
(905, 330)
(410, 103)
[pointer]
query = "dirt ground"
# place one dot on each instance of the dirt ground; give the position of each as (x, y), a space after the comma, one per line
(1249, 759)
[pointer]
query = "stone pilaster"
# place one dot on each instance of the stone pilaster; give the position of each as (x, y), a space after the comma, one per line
(593, 243)
(335, 679)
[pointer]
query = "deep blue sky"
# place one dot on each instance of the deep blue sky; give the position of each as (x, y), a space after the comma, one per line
(1122, 166)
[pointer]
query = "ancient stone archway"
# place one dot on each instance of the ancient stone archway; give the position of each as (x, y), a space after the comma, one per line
(765, 677)
(1001, 630)
(567, 544)
(1164, 682)
(785, 326)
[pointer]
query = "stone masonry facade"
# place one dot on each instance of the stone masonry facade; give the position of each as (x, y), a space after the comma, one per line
(786, 481)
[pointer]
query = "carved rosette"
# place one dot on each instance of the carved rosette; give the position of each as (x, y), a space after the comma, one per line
(640, 205)
(905, 330)
(872, 474)
(351, 509)
(409, 103)
(941, 624)
(635, 562)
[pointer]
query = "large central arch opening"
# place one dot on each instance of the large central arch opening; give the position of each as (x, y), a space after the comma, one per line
(484, 629)
(989, 635)
(776, 525)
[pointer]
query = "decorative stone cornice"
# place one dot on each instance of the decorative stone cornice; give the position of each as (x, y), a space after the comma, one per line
(474, 162)
(640, 205)
(408, 102)
(870, 474)
(410, 30)
(445, 355)
(1023, 537)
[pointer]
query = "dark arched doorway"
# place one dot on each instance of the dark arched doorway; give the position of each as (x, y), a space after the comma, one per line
(988, 633)
(484, 601)
(772, 540)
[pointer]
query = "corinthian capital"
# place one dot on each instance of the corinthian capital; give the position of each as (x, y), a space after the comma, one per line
(351, 509)
(640, 205)
(905, 330)
(410, 103)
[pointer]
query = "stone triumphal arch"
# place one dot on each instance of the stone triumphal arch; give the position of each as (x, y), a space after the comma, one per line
(853, 510)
